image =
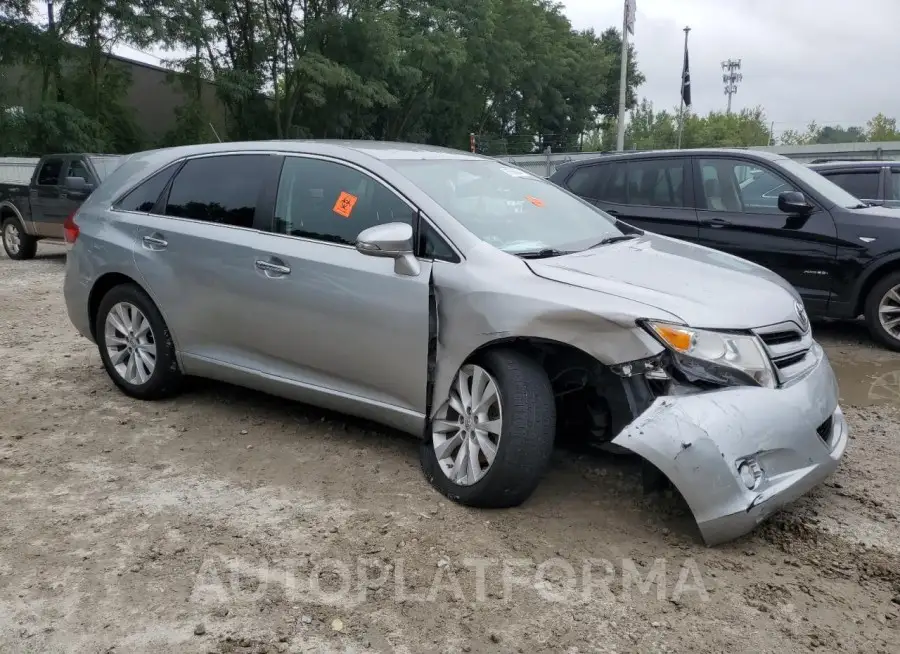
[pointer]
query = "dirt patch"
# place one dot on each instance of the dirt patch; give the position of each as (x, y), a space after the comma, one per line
(228, 521)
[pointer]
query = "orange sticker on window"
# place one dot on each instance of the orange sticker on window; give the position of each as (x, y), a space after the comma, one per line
(344, 205)
(535, 201)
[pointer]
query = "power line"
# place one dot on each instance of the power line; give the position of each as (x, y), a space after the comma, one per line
(731, 78)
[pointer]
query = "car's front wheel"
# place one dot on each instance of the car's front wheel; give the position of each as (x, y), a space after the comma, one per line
(490, 442)
(883, 311)
(135, 346)
(16, 242)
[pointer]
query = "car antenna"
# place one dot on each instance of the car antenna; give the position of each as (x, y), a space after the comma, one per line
(215, 132)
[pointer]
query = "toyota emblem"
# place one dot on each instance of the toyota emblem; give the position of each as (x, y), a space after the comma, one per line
(801, 315)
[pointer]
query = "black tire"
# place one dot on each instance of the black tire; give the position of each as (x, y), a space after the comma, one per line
(876, 329)
(526, 438)
(27, 243)
(165, 380)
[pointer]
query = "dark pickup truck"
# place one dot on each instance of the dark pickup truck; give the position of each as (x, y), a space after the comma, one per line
(36, 210)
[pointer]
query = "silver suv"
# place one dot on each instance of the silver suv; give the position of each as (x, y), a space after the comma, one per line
(465, 301)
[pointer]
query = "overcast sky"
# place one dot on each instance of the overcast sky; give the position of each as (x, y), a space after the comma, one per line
(833, 61)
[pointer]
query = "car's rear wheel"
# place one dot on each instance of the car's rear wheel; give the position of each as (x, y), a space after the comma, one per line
(883, 311)
(491, 440)
(16, 242)
(135, 346)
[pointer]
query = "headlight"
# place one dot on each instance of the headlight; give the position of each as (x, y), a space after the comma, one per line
(718, 357)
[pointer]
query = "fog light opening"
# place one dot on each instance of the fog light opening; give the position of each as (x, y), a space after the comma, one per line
(750, 473)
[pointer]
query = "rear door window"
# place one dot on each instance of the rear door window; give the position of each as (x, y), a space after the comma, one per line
(862, 184)
(656, 183)
(224, 189)
(895, 183)
(651, 183)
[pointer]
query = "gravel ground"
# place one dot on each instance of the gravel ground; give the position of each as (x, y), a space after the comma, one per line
(229, 521)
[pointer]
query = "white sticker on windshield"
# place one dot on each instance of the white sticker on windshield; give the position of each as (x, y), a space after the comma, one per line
(516, 172)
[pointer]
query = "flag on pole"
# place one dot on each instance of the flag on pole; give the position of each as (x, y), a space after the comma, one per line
(630, 14)
(686, 79)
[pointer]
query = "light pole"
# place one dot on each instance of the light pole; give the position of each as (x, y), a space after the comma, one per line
(627, 28)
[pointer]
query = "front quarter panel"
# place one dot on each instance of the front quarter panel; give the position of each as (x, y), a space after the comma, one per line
(494, 297)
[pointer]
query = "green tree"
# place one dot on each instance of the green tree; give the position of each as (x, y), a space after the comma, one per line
(648, 129)
(882, 128)
(608, 102)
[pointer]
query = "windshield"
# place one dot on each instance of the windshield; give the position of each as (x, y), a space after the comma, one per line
(508, 207)
(824, 187)
(105, 164)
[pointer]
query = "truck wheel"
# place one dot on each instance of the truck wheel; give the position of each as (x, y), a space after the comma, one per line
(491, 441)
(16, 242)
(135, 346)
(883, 311)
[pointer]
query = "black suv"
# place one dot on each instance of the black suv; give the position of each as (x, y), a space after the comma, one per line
(875, 182)
(840, 253)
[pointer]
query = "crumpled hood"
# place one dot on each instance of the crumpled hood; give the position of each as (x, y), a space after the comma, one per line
(703, 287)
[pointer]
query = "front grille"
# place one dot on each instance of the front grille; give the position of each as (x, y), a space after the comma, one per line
(780, 338)
(789, 349)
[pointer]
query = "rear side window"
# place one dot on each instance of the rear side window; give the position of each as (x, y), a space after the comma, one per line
(49, 173)
(863, 184)
(223, 190)
(586, 180)
(145, 195)
(652, 183)
(895, 182)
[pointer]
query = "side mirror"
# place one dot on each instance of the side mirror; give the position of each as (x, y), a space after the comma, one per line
(793, 202)
(77, 184)
(391, 240)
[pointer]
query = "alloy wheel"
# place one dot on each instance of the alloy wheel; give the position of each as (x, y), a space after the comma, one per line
(129, 343)
(466, 429)
(889, 312)
(11, 237)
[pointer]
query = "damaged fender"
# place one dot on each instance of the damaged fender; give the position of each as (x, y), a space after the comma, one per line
(468, 319)
(795, 436)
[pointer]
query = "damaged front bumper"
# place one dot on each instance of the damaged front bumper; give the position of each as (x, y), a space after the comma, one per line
(737, 455)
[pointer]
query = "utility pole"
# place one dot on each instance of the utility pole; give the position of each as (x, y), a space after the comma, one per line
(630, 9)
(731, 78)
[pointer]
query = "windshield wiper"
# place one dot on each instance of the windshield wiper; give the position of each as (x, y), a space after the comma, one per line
(545, 253)
(614, 239)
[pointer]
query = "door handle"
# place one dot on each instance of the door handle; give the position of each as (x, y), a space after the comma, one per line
(155, 242)
(717, 223)
(272, 268)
